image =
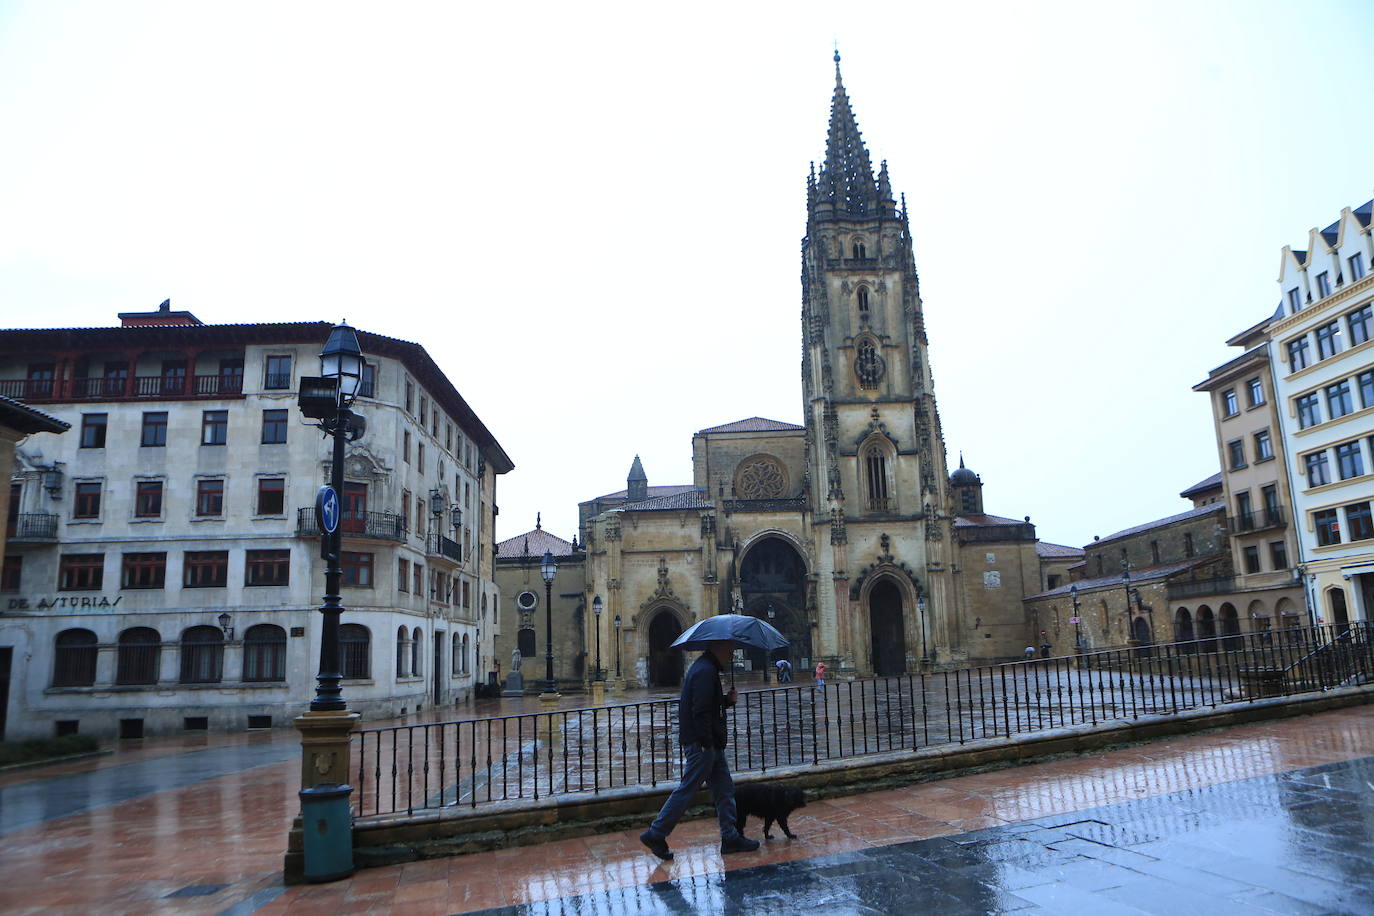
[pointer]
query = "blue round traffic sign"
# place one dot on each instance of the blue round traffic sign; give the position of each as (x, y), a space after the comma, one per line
(327, 510)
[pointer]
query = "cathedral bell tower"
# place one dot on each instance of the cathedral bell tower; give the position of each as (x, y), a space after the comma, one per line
(874, 449)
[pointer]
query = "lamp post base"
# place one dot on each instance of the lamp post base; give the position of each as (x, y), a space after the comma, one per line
(549, 698)
(324, 746)
(598, 693)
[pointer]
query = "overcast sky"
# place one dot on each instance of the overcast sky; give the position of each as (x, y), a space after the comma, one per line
(590, 214)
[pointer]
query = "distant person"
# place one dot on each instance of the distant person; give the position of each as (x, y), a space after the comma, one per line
(701, 732)
(820, 674)
(1030, 651)
(784, 671)
(1044, 650)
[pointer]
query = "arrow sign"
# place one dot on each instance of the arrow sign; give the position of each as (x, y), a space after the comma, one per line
(327, 510)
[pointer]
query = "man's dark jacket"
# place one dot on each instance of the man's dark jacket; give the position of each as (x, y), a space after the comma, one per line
(701, 709)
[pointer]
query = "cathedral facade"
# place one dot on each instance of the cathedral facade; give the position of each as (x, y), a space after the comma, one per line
(847, 532)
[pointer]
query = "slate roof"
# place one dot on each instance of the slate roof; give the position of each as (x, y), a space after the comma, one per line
(978, 521)
(753, 425)
(533, 544)
(1144, 574)
(1210, 509)
(691, 498)
(19, 416)
(666, 490)
(1047, 551)
(1202, 486)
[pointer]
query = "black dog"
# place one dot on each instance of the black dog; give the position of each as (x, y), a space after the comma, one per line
(770, 802)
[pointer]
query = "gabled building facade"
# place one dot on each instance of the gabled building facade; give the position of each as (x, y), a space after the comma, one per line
(164, 571)
(1322, 359)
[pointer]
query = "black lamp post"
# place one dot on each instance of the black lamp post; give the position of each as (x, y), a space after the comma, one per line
(1077, 621)
(921, 609)
(617, 649)
(327, 398)
(1126, 585)
(596, 610)
(548, 569)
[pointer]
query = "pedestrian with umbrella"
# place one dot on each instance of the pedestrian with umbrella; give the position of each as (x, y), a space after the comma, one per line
(701, 727)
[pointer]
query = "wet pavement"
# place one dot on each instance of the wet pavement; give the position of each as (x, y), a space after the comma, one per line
(1273, 817)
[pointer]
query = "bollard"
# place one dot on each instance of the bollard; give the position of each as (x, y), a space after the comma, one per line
(327, 832)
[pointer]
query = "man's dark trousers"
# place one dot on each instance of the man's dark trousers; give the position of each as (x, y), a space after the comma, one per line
(700, 765)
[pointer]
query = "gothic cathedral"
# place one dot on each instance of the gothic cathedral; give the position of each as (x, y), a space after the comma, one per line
(847, 533)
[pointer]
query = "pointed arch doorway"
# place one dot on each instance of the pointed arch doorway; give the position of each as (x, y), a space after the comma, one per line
(886, 624)
(773, 584)
(665, 662)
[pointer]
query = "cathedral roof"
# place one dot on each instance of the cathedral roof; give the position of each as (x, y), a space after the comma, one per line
(663, 490)
(637, 470)
(1144, 574)
(689, 498)
(979, 521)
(963, 475)
(753, 425)
(534, 544)
(1047, 551)
(1199, 512)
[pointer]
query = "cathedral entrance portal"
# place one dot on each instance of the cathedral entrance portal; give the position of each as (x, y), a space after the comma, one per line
(772, 581)
(665, 662)
(885, 623)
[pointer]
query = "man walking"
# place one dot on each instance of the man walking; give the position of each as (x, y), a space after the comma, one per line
(701, 731)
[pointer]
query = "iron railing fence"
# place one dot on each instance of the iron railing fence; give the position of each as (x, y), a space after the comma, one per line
(32, 526)
(425, 767)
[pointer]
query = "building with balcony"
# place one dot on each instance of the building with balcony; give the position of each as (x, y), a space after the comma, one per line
(1321, 358)
(1254, 485)
(163, 571)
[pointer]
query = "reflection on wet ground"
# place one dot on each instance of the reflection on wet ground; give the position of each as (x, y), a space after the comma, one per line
(1296, 842)
(1185, 824)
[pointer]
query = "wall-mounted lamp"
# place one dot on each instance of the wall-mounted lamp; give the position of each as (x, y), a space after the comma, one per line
(226, 624)
(52, 480)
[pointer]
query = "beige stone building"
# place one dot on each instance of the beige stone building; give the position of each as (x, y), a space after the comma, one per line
(1254, 485)
(846, 531)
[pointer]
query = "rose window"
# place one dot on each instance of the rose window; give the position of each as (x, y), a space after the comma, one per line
(760, 478)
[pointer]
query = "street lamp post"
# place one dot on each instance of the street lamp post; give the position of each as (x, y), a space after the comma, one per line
(596, 610)
(921, 609)
(325, 729)
(327, 399)
(1126, 586)
(617, 651)
(1077, 620)
(548, 569)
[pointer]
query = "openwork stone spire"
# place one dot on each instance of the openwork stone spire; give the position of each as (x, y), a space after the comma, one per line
(845, 187)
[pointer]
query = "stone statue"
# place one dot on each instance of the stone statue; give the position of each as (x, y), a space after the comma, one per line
(515, 659)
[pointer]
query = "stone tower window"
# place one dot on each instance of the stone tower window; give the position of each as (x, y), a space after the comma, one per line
(859, 250)
(868, 365)
(863, 299)
(875, 467)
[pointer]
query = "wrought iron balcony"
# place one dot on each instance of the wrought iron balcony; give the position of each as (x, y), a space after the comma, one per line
(383, 526)
(1258, 520)
(127, 388)
(439, 546)
(32, 526)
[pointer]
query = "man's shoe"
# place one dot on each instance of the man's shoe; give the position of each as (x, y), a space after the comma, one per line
(738, 844)
(659, 846)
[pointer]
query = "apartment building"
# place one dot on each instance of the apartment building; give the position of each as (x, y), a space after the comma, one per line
(1322, 359)
(162, 570)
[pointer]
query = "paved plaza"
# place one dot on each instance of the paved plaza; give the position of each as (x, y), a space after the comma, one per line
(1273, 817)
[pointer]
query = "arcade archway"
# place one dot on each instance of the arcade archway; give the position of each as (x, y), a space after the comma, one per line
(885, 621)
(772, 582)
(665, 662)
